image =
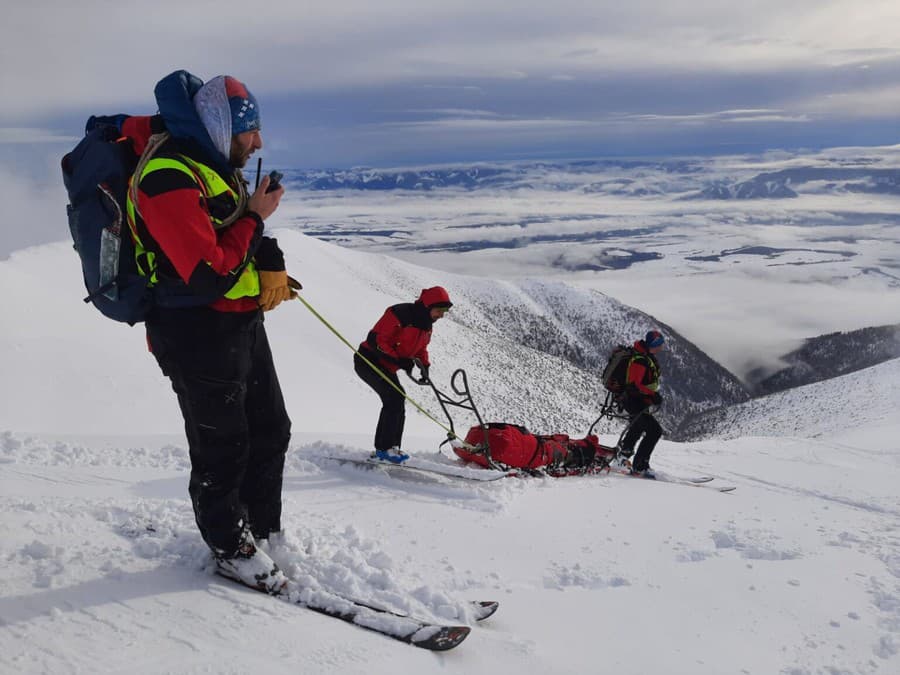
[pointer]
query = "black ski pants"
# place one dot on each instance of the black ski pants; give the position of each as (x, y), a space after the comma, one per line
(389, 432)
(237, 428)
(641, 423)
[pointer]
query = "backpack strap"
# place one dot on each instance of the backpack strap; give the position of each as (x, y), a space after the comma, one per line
(156, 141)
(153, 145)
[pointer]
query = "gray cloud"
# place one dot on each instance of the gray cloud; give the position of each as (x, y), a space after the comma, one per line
(33, 135)
(406, 81)
(308, 46)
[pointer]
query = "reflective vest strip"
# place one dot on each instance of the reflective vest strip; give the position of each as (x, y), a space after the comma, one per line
(211, 185)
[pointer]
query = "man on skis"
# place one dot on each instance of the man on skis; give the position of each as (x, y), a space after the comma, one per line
(399, 341)
(200, 241)
(640, 393)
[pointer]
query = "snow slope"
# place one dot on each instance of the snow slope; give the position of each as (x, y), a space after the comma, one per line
(77, 372)
(859, 400)
(797, 571)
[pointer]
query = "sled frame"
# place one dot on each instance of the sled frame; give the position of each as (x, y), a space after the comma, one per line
(459, 384)
(612, 409)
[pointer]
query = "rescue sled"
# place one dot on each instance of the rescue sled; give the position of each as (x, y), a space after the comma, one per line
(503, 446)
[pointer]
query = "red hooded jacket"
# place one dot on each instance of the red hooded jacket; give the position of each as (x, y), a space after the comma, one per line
(404, 331)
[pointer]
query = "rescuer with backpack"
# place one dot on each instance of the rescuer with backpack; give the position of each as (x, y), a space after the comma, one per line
(199, 241)
(639, 392)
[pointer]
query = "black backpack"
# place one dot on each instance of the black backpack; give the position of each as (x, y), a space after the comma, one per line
(96, 174)
(616, 369)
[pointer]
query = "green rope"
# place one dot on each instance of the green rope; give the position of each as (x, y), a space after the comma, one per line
(334, 330)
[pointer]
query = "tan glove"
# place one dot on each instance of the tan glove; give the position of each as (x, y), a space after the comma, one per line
(275, 288)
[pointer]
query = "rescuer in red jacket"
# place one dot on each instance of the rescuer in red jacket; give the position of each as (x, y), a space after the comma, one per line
(399, 341)
(642, 392)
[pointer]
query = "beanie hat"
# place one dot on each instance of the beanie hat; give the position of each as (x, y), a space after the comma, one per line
(244, 109)
(226, 107)
(654, 339)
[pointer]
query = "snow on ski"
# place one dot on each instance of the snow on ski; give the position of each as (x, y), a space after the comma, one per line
(485, 608)
(415, 465)
(409, 630)
(431, 468)
(481, 609)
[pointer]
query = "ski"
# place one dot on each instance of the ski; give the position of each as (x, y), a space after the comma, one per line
(470, 475)
(481, 609)
(409, 630)
(487, 475)
(696, 481)
(484, 609)
(699, 481)
(421, 465)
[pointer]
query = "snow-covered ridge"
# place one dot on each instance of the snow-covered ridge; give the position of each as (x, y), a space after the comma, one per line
(827, 356)
(865, 398)
(532, 349)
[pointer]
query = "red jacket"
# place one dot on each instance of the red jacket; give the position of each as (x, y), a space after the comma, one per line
(643, 372)
(176, 217)
(404, 331)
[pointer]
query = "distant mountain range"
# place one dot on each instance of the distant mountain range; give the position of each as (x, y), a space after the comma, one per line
(546, 175)
(784, 184)
(695, 179)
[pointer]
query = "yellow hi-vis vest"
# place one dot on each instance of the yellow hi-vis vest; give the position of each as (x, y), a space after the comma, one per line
(211, 185)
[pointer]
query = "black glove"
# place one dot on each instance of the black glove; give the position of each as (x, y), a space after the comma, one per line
(268, 256)
(656, 399)
(423, 375)
(405, 364)
(423, 372)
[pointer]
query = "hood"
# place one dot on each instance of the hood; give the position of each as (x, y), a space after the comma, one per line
(174, 97)
(434, 297)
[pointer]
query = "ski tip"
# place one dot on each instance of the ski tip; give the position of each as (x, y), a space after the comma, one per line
(441, 639)
(485, 608)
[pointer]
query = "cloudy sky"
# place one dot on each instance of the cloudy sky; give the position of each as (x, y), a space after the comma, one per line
(400, 82)
(353, 82)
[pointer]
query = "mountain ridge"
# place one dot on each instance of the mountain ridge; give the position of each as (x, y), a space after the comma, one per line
(862, 399)
(828, 356)
(533, 350)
